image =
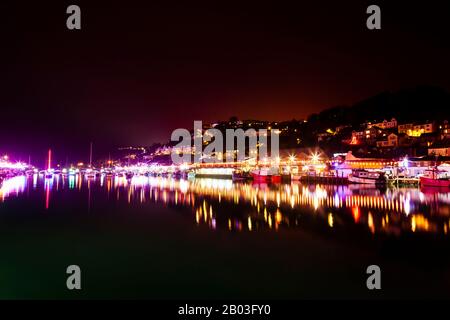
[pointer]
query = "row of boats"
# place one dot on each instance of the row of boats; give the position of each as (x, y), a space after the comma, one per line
(431, 178)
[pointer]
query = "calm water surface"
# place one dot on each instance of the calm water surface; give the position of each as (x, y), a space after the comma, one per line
(153, 237)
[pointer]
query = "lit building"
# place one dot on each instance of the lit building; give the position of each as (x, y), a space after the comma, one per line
(416, 130)
(388, 142)
(384, 125)
(352, 162)
(444, 130)
(441, 148)
(357, 137)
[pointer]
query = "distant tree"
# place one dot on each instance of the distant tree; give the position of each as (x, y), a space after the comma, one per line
(233, 119)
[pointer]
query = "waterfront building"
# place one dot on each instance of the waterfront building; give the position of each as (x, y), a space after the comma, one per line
(440, 148)
(444, 130)
(352, 162)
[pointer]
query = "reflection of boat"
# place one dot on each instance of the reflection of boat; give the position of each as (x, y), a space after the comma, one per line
(435, 178)
(367, 189)
(428, 190)
(367, 177)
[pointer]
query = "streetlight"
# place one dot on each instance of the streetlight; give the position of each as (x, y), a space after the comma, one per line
(315, 157)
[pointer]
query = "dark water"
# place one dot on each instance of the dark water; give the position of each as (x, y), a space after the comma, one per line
(164, 238)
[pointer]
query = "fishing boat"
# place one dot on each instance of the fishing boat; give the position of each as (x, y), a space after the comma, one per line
(367, 177)
(266, 175)
(261, 175)
(276, 178)
(435, 178)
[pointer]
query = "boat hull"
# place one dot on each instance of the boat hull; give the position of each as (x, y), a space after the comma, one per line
(353, 179)
(434, 182)
(260, 178)
(276, 179)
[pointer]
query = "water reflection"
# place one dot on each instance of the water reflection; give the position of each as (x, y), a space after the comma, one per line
(11, 187)
(252, 207)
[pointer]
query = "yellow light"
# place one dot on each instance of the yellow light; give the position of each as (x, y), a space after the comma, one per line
(330, 220)
(315, 157)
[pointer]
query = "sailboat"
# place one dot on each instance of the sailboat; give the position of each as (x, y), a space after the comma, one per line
(90, 173)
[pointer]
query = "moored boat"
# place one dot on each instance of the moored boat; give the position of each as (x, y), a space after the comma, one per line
(90, 173)
(435, 178)
(276, 178)
(367, 177)
(266, 175)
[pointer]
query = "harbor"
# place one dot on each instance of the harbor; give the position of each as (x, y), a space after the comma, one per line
(338, 170)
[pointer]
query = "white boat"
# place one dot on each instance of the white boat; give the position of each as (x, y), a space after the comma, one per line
(367, 177)
(90, 173)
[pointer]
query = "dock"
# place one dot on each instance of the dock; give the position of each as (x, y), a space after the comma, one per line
(404, 181)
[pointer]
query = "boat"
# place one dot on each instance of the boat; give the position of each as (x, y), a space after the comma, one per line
(266, 175)
(261, 175)
(276, 178)
(90, 173)
(129, 174)
(48, 174)
(435, 178)
(191, 175)
(367, 177)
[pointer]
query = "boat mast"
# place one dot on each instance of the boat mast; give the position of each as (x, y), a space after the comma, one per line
(90, 156)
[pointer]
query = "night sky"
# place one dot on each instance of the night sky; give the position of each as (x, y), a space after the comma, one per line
(137, 70)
